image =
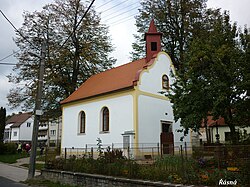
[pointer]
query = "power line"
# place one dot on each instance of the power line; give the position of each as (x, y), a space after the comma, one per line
(115, 16)
(120, 20)
(17, 30)
(104, 4)
(78, 24)
(114, 24)
(7, 63)
(122, 8)
(115, 6)
(9, 55)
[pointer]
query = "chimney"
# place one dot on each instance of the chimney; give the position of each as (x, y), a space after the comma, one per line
(153, 41)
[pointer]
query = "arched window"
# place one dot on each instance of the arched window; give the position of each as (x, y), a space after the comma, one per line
(165, 82)
(105, 119)
(82, 122)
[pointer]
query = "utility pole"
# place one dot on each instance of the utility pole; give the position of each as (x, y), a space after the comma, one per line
(37, 112)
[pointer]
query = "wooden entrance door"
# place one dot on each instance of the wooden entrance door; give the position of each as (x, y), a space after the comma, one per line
(167, 138)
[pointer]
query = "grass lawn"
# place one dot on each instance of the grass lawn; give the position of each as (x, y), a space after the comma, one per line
(11, 158)
(37, 181)
(38, 166)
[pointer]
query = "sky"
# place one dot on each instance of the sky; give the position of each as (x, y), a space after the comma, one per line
(117, 14)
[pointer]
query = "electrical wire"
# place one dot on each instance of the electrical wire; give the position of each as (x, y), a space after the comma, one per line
(118, 23)
(122, 8)
(7, 63)
(104, 4)
(120, 20)
(17, 30)
(115, 16)
(9, 55)
(85, 13)
(114, 6)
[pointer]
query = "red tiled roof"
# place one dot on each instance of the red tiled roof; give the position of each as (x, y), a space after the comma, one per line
(212, 123)
(121, 77)
(18, 119)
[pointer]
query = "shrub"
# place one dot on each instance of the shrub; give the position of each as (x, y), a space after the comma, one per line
(8, 148)
(2, 148)
(11, 148)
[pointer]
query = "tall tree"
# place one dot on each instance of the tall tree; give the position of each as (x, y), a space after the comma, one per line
(2, 123)
(178, 20)
(215, 79)
(76, 49)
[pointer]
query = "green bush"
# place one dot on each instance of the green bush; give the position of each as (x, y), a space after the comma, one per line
(174, 169)
(11, 148)
(8, 148)
(2, 148)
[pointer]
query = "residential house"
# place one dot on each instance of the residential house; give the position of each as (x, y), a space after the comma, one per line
(19, 128)
(55, 132)
(219, 131)
(125, 105)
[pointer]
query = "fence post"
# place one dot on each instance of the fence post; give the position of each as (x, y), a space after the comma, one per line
(182, 160)
(65, 153)
(46, 157)
(86, 149)
(185, 149)
(128, 153)
(158, 149)
(92, 152)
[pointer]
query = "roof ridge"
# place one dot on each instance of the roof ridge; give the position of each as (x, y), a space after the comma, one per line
(120, 66)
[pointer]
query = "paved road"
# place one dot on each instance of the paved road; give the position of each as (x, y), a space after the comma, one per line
(15, 173)
(4, 182)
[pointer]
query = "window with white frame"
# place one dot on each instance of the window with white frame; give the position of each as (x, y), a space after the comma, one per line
(28, 124)
(15, 133)
(52, 132)
(105, 119)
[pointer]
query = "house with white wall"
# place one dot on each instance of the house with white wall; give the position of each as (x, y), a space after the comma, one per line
(218, 131)
(19, 128)
(124, 105)
(55, 131)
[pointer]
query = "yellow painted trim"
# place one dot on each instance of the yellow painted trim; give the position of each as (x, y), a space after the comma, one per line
(135, 114)
(171, 62)
(100, 98)
(140, 92)
(151, 66)
(62, 130)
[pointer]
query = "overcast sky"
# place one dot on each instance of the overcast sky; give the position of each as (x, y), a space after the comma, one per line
(121, 28)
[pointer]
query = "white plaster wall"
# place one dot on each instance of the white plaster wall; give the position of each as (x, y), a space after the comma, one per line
(26, 132)
(7, 130)
(121, 119)
(151, 79)
(151, 112)
(15, 138)
(222, 130)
